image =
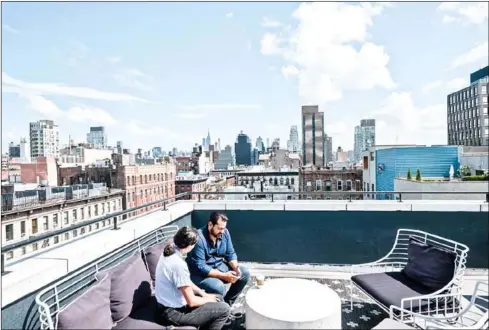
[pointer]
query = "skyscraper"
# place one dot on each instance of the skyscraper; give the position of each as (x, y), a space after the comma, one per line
(208, 139)
(97, 137)
(44, 138)
(259, 144)
(328, 149)
(467, 115)
(364, 138)
(293, 142)
(242, 149)
(312, 136)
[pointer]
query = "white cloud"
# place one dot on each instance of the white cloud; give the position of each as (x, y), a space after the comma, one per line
(329, 62)
(270, 44)
(10, 84)
(138, 128)
(432, 86)
(80, 113)
(457, 83)
(219, 107)
(400, 120)
(270, 23)
(229, 15)
(478, 54)
(133, 78)
(10, 29)
(290, 71)
(464, 12)
(451, 85)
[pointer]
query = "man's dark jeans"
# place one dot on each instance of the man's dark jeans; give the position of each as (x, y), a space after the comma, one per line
(209, 316)
(214, 285)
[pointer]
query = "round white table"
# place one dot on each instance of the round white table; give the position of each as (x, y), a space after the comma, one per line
(291, 303)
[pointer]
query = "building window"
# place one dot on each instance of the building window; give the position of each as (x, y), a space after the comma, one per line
(348, 185)
(24, 250)
(34, 226)
(339, 185)
(45, 223)
(67, 236)
(82, 213)
(96, 210)
(75, 214)
(82, 231)
(9, 232)
(22, 228)
(75, 233)
(55, 221)
(89, 208)
(56, 239)
(10, 255)
(66, 217)
(103, 208)
(45, 243)
(34, 247)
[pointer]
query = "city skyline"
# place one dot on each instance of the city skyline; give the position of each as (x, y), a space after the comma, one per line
(236, 69)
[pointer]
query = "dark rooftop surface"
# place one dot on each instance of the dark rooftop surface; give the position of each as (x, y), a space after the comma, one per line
(364, 315)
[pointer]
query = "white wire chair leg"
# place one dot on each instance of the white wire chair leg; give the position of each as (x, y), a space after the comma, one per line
(351, 295)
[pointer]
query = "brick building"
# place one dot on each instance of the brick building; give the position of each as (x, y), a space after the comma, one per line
(191, 184)
(183, 163)
(146, 183)
(312, 179)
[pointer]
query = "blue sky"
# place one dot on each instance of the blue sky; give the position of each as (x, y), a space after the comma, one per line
(162, 74)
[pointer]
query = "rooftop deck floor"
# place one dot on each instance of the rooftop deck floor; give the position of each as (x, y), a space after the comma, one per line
(363, 316)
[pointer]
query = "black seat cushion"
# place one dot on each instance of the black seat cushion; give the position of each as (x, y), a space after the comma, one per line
(146, 317)
(430, 265)
(390, 288)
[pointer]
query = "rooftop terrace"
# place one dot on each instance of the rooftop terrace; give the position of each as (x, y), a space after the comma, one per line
(313, 239)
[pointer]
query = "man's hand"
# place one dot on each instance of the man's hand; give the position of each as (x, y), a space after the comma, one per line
(210, 297)
(229, 277)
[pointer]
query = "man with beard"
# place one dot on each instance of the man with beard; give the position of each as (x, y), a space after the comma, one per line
(213, 262)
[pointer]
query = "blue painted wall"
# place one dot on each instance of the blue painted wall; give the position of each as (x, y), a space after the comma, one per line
(432, 161)
(344, 237)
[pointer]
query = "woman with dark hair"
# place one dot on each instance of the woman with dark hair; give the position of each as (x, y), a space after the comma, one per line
(180, 301)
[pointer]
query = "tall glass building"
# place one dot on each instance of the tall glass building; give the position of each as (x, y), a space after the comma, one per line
(97, 137)
(242, 150)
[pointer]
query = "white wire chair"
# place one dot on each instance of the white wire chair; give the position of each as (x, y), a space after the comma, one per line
(474, 315)
(397, 258)
(55, 297)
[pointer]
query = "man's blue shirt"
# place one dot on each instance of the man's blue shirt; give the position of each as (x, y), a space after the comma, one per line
(206, 257)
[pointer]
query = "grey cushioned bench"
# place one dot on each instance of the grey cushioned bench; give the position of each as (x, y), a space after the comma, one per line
(122, 297)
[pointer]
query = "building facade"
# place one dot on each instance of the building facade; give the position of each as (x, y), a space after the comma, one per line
(322, 181)
(293, 142)
(22, 223)
(44, 138)
(146, 183)
(328, 149)
(191, 184)
(382, 165)
(97, 138)
(467, 114)
(312, 136)
(261, 182)
(225, 159)
(364, 138)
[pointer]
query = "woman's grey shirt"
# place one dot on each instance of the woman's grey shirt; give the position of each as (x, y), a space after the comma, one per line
(171, 274)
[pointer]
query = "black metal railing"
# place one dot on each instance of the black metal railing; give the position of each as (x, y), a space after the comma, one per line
(116, 215)
(394, 196)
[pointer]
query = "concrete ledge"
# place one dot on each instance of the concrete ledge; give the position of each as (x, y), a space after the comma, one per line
(256, 205)
(331, 205)
(379, 206)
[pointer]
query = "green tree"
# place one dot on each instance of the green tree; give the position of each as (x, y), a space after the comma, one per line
(409, 175)
(418, 175)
